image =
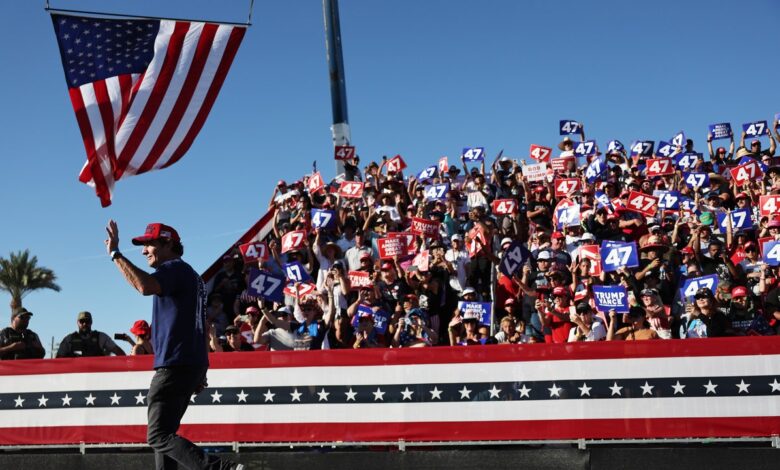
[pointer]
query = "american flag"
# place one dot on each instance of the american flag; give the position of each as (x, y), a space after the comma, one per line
(141, 89)
(719, 387)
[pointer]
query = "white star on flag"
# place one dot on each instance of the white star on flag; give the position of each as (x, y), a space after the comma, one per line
(435, 393)
(115, 399)
(407, 393)
(323, 395)
(242, 396)
(139, 399)
(66, 400)
(584, 390)
(775, 386)
(269, 396)
(555, 391)
(90, 400)
(19, 400)
(216, 397)
(742, 386)
(379, 395)
(524, 391)
(616, 389)
(296, 395)
(710, 387)
(647, 389)
(494, 392)
(42, 401)
(465, 393)
(678, 388)
(350, 394)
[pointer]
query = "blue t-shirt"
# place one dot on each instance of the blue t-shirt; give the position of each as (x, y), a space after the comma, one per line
(179, 317)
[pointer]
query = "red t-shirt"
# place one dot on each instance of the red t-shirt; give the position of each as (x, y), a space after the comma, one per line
(560, 326)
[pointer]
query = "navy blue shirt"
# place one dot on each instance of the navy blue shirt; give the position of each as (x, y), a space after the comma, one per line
(179, 317)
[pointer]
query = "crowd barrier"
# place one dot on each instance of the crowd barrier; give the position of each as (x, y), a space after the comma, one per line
(700, 388)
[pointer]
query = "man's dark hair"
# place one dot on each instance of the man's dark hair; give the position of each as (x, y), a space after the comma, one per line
(177, 247)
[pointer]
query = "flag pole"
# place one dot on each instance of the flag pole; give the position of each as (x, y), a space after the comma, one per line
(142, 17)
(338, 90)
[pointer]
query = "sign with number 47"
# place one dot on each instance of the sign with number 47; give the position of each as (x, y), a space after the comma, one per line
(772, 253)
(643, 203)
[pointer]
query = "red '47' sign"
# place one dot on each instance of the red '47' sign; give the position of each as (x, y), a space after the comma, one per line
(315, 183)
(353, 189)
(425, 227)
(443, 165)
(643, 203)
(395, 164)
(292, 241)
(593, 254)
(539, 153)
(745, 173)
(504, 206)
(769, 205)
(659, 167)
(344, 152)
(565, 186)
(254, 251)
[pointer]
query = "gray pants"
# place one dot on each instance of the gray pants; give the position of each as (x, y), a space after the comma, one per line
(169, 396)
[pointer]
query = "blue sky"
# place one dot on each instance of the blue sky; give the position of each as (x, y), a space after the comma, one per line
(424, 79)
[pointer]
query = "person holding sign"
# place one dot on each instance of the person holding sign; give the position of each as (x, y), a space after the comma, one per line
(636, 330)
(720, 157)
(463, 330)
(587, 328)
(702, 318)
(755, 147)
(555, 315)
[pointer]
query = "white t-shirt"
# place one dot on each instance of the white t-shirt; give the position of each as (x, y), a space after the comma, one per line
(597, 332)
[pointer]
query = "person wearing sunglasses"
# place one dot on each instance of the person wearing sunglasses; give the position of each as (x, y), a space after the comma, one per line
(86, 342)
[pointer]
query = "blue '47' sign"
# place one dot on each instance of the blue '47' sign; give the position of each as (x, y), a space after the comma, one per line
(616, 255)
(739, 219)
(473, 154)
(266, 285)
(693, 284)
(570, 127)
(513, 259)
(323, 219)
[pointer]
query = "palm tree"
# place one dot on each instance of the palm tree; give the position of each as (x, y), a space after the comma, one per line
(20, 275)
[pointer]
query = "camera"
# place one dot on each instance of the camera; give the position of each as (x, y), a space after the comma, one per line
(119, 336)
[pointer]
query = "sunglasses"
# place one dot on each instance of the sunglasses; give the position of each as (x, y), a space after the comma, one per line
(85, 321)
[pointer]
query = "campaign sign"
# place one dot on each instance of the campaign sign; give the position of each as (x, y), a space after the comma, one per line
(679, 139)
(300, 291)
(755, 129)
(315, 183)
(391, 247)
(769, 204)
(380, 318)
(696, 180)
(665, 149)
(667, 200)
(266, 285)
(687, 204)
(504, 206)
(721, 130)
(616, 255)
(585, 148)
(540, 153)
(693, 284)
(443, 165)
(740, 219)
(535, 172)
(642, 148)
(426, 228)
(514, 257)
(566, 186)
(254, 251)
(592, 253)
(358, 279)
(422, 260)
(473, 154)
(611, 298)
(343, 152)
(427, 173)
(410, 241)
(323, 219)
(568, 127)
(602, 200)
(294, 240)
(351, 189)
(643, 203)
(595, 169)
(688, 160)
(659, 167)
(436, 192)
(561, 163)
(296, 272)
(746, 173)
(772, 253)
(567, 216)
(615, 146)
(395, 164)
(483, 308)
(746, 160)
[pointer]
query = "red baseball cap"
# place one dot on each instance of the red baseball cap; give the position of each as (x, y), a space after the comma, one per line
(558, 235)
(687, 250)
(739, 291)
(387, 266)
(509, 301)
(560, 291)
(140, 328)
(156, 231)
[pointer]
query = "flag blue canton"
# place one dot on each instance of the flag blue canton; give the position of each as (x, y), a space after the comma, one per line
(95, 49)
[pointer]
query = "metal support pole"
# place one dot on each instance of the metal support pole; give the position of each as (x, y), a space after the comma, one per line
(338, 90)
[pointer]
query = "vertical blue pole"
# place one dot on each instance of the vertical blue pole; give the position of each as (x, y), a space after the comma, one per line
(338, 89)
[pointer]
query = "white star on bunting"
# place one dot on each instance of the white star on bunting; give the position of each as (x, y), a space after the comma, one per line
(647, 389)
(585, 390)
(379, 395)
(139, 399)
(465, 394)
(323, 395)
(242, 396)
(350, 395)
(555, 391)
(616, 389)
(269, 396)
(296, 395)
(742, 386)
(90, 400)
(678, 388)
(710, 387)
(216, 397)
(407, 394)
(524, 391)
(775, 386)
(435, 393)
(115, 399)
(494, 392)
(42, 401)
(66, 400)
